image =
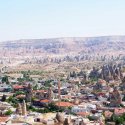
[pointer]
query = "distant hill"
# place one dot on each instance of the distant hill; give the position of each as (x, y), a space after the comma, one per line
(91, 45)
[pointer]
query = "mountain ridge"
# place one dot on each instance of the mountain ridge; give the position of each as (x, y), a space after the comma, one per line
(58, 38)
(67, 45)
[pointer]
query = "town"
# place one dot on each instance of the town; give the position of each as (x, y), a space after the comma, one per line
(79, 98)
(62, 62)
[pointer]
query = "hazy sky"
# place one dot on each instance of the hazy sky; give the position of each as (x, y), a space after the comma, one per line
(21, 19)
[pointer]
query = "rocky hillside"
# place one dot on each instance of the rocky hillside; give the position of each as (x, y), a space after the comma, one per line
(63, 45)
(69, 48)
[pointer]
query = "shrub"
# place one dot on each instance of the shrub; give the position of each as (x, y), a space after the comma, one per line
(9, 112)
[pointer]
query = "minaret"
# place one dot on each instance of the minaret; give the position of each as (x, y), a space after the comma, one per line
(24, 111)
(29, 93)
(19, 109)
(50, 94)
(59, 92)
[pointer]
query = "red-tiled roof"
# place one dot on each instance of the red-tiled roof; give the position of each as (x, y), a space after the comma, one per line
(83, 113)
(101, 93)
(101, 81)
(18, 87)
(3, 119)
(108, 114)
(45, 101)
(64, 104)
(119, 111)
(20, 96)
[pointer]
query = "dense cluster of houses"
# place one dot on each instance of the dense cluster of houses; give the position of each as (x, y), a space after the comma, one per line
(83, 103)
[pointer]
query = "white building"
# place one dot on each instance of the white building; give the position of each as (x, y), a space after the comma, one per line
(83, 108)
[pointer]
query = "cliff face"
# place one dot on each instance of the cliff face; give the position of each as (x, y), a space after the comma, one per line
(105, 44)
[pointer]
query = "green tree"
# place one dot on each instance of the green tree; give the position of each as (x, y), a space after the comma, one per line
(3, 98)
(19, 92)
(35, 87)
(12, 100)
(52, 107)
(118, 120)
(5, 80)
(9, 112)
